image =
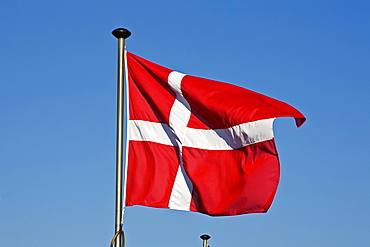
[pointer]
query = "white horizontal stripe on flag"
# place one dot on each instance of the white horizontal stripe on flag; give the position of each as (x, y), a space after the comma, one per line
(211, 139)
(140, 130)
(231, 138)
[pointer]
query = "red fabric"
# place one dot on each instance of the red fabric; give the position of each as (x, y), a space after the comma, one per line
(218, 105)
(151, 98)
(225, 182)
(151, 174)
(233, 182)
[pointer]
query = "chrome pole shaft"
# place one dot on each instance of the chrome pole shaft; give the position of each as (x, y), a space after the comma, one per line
(121, 34)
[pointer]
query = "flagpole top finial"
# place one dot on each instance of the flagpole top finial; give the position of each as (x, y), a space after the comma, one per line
(121, 33)
(205, 237)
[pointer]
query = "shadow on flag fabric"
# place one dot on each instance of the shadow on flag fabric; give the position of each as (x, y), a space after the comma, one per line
(199, 145)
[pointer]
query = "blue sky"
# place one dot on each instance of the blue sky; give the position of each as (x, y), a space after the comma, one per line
(58, 116)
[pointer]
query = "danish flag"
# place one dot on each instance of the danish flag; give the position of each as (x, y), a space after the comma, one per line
(199, 145)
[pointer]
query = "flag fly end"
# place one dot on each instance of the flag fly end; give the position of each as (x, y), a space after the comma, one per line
(300, 121)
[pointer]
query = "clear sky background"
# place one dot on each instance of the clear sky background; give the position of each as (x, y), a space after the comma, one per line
(58, 63)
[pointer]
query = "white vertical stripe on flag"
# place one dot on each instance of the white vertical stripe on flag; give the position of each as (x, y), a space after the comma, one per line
(179, 117)
(180, 111)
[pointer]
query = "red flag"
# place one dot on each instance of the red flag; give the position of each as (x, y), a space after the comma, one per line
(199, 145)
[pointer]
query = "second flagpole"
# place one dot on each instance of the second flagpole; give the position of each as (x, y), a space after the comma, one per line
(121, 34)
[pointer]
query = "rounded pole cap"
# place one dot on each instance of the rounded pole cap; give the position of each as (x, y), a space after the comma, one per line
(205, 237)
(121, 33)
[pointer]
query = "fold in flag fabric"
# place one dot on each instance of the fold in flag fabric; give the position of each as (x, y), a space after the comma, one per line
(199, 145)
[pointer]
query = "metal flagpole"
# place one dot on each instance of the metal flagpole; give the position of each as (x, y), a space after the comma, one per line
(205, 237)
(121, 34)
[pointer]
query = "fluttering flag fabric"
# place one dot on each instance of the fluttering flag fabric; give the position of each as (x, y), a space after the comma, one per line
(199, 145)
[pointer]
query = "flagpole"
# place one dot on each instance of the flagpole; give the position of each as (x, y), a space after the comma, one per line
(205, 237)
(121, 34)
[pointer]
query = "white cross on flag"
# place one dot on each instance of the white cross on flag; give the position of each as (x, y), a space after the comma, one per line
(199, 145)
